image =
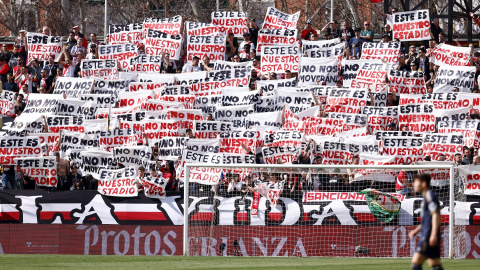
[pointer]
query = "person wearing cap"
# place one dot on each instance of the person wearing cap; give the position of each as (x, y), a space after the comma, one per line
(355, 44)
(392, 127)
(347, 32)
(80, 36)
(385, 38)
(241, 48)
(308, 31)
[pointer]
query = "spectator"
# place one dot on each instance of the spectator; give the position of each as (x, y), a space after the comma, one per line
(80, 36)
(4, 69)
(288, 74)
(435, 30)
(51, 67)
(387, 30)
(423, 62)
(367, 34)
(476, 160)
(26, 181)
(308, 31)
(402, 65)
(190, 133)
(242, 52)
(355, 44)
(392, 99)
(467, 156)
(332, 30)
(236, 58)
(71, 41)
(8, 177)
(24, 78)
(387, 17)
(347, 32)
(403, 184)
(209, 117)
(92, 52)
(10, 85)
(75, 180)
(46, 30)
(168, 66)
(36, 72)
(441, 38)
(392, 127)
(412, 55)
(168, 172)
(20, 103)
(93, 40)
(231, 47)
(46, 81)
(5, 52)
(235, 185)
(77, 48)
(206, 65)
(192, 66)
(63, 167)
(253, 29)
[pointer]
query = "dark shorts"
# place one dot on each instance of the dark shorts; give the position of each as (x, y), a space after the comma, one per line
(424, 248)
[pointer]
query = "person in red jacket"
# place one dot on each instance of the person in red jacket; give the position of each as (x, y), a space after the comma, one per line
(4, 68)
(309, 30)
(79, 35)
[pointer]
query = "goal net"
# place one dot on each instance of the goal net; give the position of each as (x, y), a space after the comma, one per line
(316, 210)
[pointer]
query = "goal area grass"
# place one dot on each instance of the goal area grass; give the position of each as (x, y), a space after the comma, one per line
(180, 262)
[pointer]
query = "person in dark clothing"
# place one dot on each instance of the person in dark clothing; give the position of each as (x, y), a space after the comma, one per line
(10, 85)
(75, 180)
(4, 69)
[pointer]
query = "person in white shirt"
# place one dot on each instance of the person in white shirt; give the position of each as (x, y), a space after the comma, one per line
(241, 49)
(192, 66)
(235, 184)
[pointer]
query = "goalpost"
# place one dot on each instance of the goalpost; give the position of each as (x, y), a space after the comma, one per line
(314, 210)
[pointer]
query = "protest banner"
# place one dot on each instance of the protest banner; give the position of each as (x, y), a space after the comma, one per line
(406, 150)
(75, 107)
(118, 183)
(295, 100)
(184, 118)
(157, 129)
(371, 75)
(337, 153)
(170, 148)
(187, 79)
(125, 33)
(7, 103)
(469, 128)
(134, 99)
(276, 37)
(231, 22)
(52, 141)
(407, 82)
(154, 187)
(271, 119)
(200, 175)
(308, 45)
(439, 177)
(158, 43)
(411, 25)
(146, 63)
(41, 169)
(56, 123)
(231, 73)
(347, 131)
(278, 59)
(210, 129)
(41, 46)
(276, 19)
(315, 71)
(327, 52)
(387, 52)
(234, 114)
(110, 87)
(158, 105)
(138, 86)
(118, 137)
(176, 90)
(442, 144)
(448, 55)
(93, 161)
(320, 92)
(448, 101)
(310, 114)
(382, 134)
(121, 52)
(366, 144)
(267, 104)
(170, 26)
(202, 29)
(207, 104)
(268, 87)
(211, 46)
(231, 141)
(448, 77)
(231, 97)
(73, 87)
(350, 118)
(459, 114)
(134, 156)
(280, 154)
(203, 145)
(283, 138)
(376, 175)
(40, 104)
(410, 99)
(346, 100)
(100, 100)
(76, 140)
(417, 117)
(350, 70)
(104, 69)
(470, 176)
(12, 147)
(380, 117)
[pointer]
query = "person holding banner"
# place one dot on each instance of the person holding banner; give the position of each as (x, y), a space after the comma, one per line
(168, 66)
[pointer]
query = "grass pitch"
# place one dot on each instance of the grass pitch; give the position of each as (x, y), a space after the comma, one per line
(178, 262)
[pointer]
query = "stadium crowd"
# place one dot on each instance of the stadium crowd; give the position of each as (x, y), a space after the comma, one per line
(25, 75)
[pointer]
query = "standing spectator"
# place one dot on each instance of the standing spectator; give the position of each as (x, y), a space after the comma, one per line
(241, 48)
(8, 177)
(367, 34)
(15, 58)
(75, 180)
(412, 54)
(206, 65)
(71, 41)
(423, 62)
(332, 29)
(46, 30)
(347, 32)
(77, 61)
(77, 48)
(80, 36)
(467, 156)
(387, 30)
(402, 65)
(192, 66)
(24, 78)
(20, 103)
(36, 70)
(232, 46)
(168, 66)
(355, 44)
(93, 39)
(67, 64)
(63, 167)
(308, 31)
(51, 67)
(92, 52)
(403, 184)
(21, 41)
(253, 29)
(46, 81)
(435, 30)
(4, 69)
(387, 17)
(10, 85)
(5, 52)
